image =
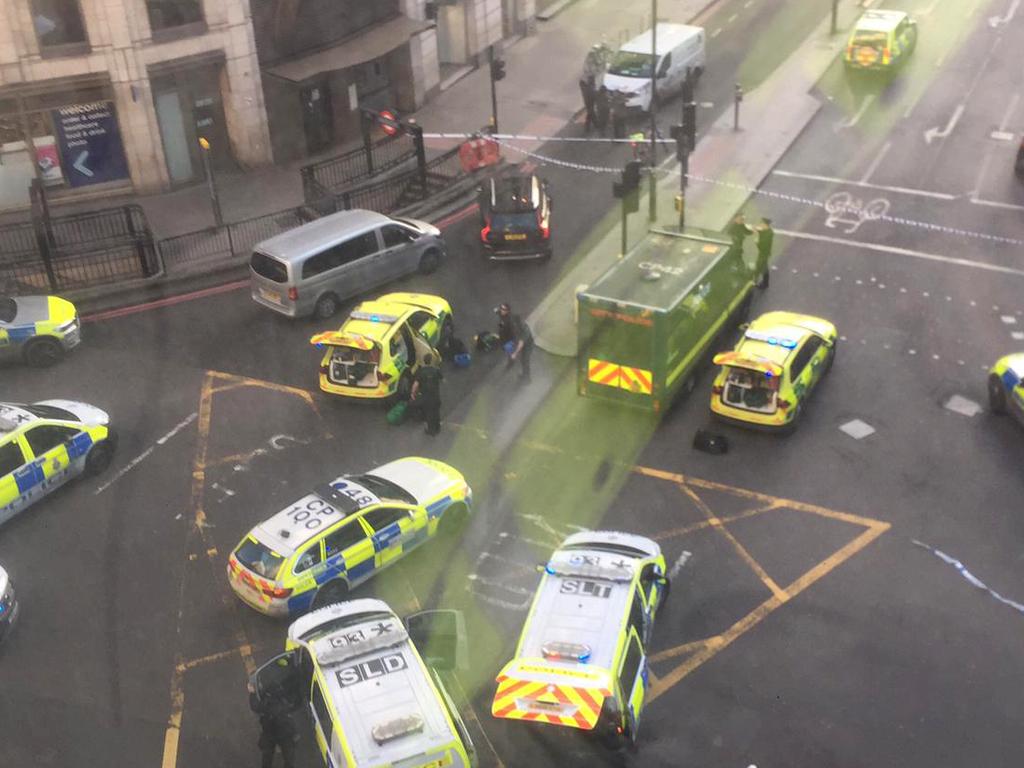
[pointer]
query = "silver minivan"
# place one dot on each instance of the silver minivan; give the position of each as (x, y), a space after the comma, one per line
(309, 270)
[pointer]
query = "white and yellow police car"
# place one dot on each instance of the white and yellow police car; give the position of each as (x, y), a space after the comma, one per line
(38, 329)
(373, 700)
(8, 604)
(581, 661)
(44, 445)
(342, 533)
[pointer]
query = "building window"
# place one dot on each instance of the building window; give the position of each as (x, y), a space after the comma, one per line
(59, 26)
(175, 16)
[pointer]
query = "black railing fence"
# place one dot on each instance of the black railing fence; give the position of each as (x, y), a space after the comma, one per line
(77, 250)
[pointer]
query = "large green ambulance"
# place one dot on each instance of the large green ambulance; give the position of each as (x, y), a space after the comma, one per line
(647, 323)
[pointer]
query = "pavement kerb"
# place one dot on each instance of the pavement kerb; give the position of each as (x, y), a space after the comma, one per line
(721, 155)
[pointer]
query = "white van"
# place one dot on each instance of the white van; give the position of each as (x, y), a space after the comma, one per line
(679, 47)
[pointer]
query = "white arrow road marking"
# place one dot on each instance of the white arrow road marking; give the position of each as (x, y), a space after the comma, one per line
(868, 101)
(79, 164)
(677, 566)
(995, 21)
(936, 133)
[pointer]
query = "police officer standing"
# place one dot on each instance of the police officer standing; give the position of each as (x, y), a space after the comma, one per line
(512, 328)
(277, 730)
(765, 238)
(589, 92)
(426, 392)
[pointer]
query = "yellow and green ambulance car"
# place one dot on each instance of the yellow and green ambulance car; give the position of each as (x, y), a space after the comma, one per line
(766, 380)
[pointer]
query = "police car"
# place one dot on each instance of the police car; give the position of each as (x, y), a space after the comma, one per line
(37, 329)
(44, 445)
(1006, 386)
(345, 531)
(766, 380)
(880, 40)
(373, 700)
(8, 605)
(581, 661)
(376, 352)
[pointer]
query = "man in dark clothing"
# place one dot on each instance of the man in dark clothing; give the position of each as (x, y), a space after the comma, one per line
(512, 328)
(277, 729)
(765, 238)
(738, 231)
(589, 94)
(426, 392)
(602, 105)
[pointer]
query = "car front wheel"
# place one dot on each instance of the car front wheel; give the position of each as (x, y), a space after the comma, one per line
(42, 353)
(99, 458)
(996, 395)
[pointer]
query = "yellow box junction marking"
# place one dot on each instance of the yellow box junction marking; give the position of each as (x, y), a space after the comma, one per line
(214, 383)
(700, 651)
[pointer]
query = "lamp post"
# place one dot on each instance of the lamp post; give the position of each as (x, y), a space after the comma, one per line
(652, 206)
(211, 185)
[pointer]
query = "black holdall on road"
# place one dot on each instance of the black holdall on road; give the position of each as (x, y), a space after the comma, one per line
(709, 442)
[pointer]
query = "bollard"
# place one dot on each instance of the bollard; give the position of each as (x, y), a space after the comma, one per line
(737, 98)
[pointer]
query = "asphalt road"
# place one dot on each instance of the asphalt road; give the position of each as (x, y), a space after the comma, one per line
(807, 625)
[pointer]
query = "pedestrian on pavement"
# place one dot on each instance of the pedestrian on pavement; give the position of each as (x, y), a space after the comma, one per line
(738, 231)
(277, 730)
(589, 92)
(765, 238)
(512, 328)
(426, 392)
(602, 106)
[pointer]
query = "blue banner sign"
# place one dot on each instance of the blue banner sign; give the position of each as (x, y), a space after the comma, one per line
(90, 143)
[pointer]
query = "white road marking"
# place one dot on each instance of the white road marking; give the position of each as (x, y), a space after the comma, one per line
(716, 33)
(506, 560)
(145, 454)
(545, 526)
(1002, 135)
(962, 405)
(178, 428)
(941, 133)
(1008, 319)
(732, 18)
(883, 187)
(476, 579)
(1008, 114)
(997, 204)
(996, 21)
(868, 101)
(1017, 335)
(905, 252)
(533, 542)
(857, 429)
(677, 566)
(496, 601)
(876, 162)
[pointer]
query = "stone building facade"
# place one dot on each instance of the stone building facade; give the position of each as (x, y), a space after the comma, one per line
(102, 95)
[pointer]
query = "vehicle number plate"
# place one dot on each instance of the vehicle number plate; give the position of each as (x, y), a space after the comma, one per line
(270, 296)
(446, 760)
(519, 236)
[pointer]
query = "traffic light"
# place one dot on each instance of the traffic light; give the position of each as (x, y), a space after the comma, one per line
(690, 123)
(628, 189)
(498, 70)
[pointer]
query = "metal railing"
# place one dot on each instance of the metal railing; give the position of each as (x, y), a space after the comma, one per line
(360, 163)
(81, 249)
(234, 240)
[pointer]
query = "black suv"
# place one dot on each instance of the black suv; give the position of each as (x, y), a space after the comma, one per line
(515, 217)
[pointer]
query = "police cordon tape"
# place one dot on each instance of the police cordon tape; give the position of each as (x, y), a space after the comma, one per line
(973, 580)
(666, 172)
(500, 137)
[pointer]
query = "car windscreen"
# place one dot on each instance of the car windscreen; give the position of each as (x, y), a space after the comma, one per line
(605, 546)
(259, 558)
(384, 489)
(513, 195)
(268, 267)
(874, 39)
(629, 64)
(50, 412)
(8, 309)
(514, 221)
